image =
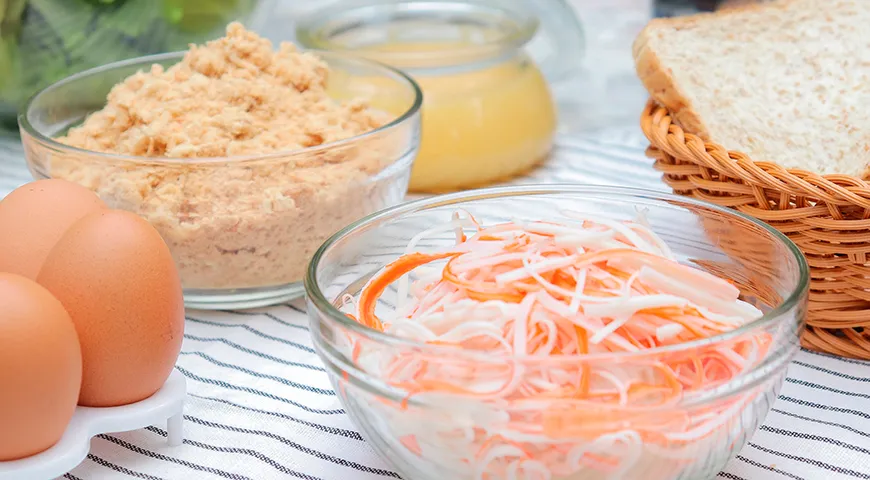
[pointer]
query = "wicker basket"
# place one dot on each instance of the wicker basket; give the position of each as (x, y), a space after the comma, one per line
(828, 217)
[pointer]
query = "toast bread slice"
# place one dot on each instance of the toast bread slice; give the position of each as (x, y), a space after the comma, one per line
(786, 81)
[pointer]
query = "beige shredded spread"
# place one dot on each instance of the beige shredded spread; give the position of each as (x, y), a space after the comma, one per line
(237, 223)
(234, 96)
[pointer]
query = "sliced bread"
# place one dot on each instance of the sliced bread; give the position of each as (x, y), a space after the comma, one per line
(785, 82)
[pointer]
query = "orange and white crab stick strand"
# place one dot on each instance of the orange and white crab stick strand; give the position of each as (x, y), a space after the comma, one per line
(529, 292)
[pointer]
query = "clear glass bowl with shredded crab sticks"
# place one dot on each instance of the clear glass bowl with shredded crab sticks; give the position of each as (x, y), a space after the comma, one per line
(557, 332)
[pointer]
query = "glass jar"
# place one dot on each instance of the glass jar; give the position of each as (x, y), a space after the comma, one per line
(488, 112)
(42, 42)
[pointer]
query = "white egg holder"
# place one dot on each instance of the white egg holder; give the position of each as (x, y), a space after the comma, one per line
(166, 405)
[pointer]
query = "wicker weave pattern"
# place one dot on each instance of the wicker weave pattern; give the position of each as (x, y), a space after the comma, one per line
(828, 217)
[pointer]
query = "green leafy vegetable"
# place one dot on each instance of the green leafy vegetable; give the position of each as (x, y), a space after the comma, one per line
(61, 37)
(198, 16)
(10, 15)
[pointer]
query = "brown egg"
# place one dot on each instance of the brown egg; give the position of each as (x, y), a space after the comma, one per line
(34, 217)
(40, 368)
(115, 276)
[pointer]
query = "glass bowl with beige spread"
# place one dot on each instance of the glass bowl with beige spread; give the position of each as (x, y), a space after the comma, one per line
(244, 158)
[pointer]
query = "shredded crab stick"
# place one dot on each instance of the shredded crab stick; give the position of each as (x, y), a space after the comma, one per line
(532, 292)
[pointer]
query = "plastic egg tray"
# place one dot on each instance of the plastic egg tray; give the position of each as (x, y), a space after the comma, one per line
(167, 405)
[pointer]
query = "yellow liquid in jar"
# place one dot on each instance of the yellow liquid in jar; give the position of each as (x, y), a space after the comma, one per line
(479, 126)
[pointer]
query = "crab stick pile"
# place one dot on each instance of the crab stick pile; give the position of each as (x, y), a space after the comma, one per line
(551, 349)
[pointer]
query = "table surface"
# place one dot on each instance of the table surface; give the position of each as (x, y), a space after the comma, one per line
(260, 405)
(254, 410)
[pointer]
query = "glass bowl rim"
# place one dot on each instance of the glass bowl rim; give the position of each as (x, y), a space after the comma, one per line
(148, 60)
(325, 307)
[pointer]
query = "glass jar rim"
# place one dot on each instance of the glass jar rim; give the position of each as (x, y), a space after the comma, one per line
(517, 27)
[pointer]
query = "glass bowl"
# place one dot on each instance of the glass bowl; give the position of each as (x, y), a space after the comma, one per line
(241, 229)
(445, 435)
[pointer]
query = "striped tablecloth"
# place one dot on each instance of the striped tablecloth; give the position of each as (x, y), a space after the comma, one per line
(261, 407)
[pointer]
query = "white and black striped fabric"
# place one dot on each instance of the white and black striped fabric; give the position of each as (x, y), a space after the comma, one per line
(13, 170)
(260, 406)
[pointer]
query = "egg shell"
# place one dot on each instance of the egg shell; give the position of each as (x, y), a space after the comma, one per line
(40, 368)
(34, 216)
(115, 276)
